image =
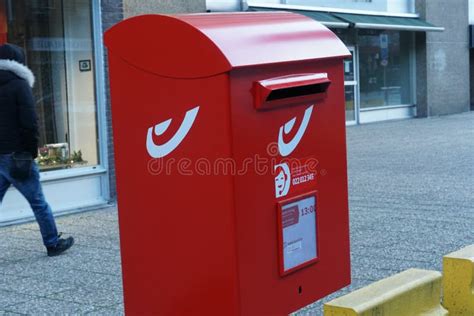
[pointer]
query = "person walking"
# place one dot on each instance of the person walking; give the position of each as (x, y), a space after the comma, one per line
(19, 144)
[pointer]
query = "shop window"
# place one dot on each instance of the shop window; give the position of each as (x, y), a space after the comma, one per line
(57, 37)
(384, 68)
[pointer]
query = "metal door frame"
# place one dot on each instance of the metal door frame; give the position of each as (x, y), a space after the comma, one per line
(355, 85)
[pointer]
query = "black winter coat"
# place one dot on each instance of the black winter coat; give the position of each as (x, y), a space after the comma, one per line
(18, 120)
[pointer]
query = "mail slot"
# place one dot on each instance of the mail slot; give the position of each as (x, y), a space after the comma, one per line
(229, 135)
(289, 90)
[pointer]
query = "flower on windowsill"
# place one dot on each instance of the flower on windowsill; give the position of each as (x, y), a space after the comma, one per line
(43, 151)
(48, 158)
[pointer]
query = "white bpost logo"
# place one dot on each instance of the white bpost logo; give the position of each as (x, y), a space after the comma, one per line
(287, 148)
(158, 151)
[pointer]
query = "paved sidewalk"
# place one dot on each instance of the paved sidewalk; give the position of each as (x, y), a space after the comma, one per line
(85, 280)
(411, 187)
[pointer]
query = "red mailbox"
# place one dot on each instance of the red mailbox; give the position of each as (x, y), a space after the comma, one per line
(230, 151)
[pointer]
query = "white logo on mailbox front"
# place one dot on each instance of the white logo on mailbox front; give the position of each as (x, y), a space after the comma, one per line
(159, 151)
(287, 148)
(282, 180)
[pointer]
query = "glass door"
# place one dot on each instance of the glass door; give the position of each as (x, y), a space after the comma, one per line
(350, 88)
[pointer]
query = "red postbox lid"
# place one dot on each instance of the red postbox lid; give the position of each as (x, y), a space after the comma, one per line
(201, 45)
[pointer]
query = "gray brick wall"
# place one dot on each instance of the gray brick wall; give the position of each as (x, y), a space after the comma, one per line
(112, 13)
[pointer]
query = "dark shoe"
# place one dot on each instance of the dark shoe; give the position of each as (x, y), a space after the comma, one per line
(61, 246)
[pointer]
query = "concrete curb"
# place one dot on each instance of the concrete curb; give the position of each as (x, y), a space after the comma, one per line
(412, 292)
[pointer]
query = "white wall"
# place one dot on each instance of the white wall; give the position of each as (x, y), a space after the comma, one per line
(372, 5)
(393, 6)
(223, 5)
(401, 6)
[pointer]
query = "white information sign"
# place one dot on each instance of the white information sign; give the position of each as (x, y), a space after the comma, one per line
(298, 224)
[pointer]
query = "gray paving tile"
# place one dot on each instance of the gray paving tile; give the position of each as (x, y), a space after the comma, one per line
(75, 261)
(97, 242)
(7, 313)
(92, 228)
(100, 297)
(43, 306)
(33, 266)
(7, 279)
(20, 243)
(103, 266)
(80, 252)
(85, 279)
(101, 218)
(33, 287)
(17, 254)
(115, 311)
(9, 299)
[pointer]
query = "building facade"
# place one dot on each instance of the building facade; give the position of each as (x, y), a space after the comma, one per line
(410, 58)
(396, 71)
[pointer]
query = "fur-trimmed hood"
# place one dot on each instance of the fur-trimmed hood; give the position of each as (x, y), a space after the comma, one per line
(18, 120)
(18, 69)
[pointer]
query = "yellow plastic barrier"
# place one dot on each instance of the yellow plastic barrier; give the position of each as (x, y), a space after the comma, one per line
(409, 293)
(458, 282)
